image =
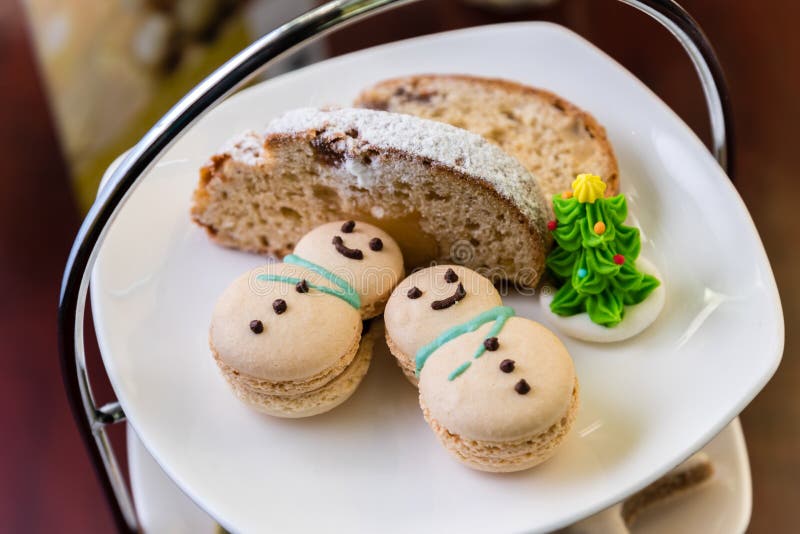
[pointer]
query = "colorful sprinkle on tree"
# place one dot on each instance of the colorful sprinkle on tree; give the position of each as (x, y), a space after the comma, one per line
(595, 254)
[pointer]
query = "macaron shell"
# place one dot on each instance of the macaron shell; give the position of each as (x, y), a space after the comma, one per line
(373, 277)
(314, 333)
(482, 403)
(319, 400)
(405, 361)
(506, 456)
(412, 323)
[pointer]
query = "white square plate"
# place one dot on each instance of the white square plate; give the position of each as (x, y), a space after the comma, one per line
(720, 506)
(373, 465)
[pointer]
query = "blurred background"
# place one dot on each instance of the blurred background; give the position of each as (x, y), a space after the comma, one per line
(82, 80)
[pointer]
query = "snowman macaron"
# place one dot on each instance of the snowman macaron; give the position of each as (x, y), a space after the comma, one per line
(365, 256)
(500, 392)
(430, 301)
(288, 336)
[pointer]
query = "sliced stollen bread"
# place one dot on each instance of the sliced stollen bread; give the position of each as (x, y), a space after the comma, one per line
(443, 193)
(554, 139)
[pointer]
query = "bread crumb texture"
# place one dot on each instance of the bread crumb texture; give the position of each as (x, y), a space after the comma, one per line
(554, 139)
(443, 193)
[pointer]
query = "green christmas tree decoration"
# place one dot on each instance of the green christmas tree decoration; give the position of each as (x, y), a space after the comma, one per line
(595, 254)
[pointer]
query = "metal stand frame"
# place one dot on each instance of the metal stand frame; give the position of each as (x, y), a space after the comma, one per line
(91, 419)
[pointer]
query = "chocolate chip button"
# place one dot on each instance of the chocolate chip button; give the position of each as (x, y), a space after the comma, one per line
(301, 286)
(256, 326)
(450, 276)
(491, 344)
(348, 227)
(279, 306)
(522, 387)
(507, 366)
(414, 293)
(376, 244)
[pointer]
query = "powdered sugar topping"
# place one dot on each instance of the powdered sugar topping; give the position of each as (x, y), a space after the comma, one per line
(247, 147)
(440, 143)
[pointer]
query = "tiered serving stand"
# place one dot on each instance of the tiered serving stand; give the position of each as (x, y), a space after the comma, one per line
(93, 420)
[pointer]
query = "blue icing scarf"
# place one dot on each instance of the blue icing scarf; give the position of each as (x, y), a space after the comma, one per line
(346, 292)
(498, 314)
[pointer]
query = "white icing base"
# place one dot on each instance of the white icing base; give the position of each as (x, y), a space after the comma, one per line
(637, 317)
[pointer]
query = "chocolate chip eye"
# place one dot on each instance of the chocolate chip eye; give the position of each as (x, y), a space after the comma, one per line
(450, 276)
(352, 253)
(348, 227)
(507, 366)
(279, 305)
(376, 244)
(491, 343)
(522, 387)
(301, 286)
(414, 293)
(256, 326)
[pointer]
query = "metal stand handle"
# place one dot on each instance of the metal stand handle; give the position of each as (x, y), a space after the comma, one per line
(93, 420)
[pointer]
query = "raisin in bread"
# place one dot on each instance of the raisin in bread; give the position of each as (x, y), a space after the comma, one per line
(444, 194)
(552, 138)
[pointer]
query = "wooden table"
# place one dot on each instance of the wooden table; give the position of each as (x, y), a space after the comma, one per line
(47, 483)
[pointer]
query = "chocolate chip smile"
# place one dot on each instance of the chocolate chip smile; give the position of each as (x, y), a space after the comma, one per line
(352, 253)
(452, 299)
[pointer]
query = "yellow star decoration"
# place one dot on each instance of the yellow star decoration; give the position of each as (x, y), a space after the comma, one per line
(588, 188)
